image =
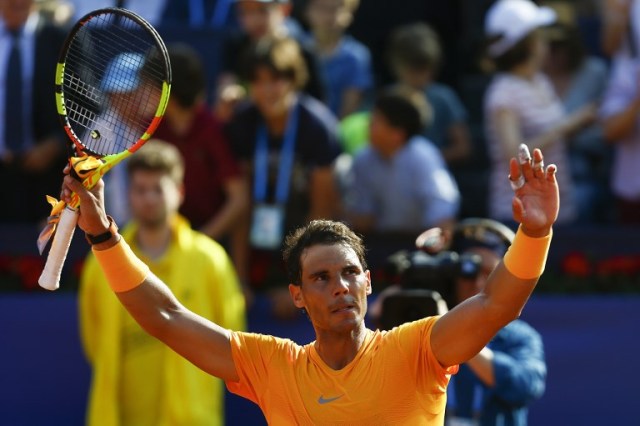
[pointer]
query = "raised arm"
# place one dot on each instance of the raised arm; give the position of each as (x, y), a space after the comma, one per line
(147, 298)
(462, 332)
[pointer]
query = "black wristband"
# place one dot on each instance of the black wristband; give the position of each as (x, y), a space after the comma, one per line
(105, 236)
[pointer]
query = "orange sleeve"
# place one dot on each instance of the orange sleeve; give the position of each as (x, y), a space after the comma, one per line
(255, 357)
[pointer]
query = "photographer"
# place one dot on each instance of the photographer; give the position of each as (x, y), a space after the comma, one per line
(496, 386)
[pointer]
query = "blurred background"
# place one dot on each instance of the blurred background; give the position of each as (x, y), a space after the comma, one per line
(587, 303)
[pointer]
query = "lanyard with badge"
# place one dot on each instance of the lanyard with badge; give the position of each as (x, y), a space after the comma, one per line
(267, 226)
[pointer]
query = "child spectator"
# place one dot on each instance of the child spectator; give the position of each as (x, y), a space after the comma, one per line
(258, 19)
(415, 57)
(216, 194)
(287, 142)
(400, 181)
(345, 63)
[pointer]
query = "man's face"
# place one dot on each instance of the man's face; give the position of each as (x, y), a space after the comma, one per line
(15, 12)
(334, 288)
(468, 287)
(328, 16)
(258, 19)
(415, 78)
(382, 135)
(154, 198)
(271, 93)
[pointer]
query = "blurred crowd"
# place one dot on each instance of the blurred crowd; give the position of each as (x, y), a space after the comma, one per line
(393, 118)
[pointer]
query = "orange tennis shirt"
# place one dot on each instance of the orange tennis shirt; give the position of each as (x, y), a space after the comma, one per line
(394, 379)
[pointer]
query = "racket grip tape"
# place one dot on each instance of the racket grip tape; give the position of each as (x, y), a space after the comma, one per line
(50, 277)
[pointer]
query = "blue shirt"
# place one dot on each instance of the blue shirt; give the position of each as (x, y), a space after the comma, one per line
(410, 192)
(348, 67)
(520, 373)
(447, 111)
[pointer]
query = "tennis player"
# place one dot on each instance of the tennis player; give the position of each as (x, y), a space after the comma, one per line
(349, 374)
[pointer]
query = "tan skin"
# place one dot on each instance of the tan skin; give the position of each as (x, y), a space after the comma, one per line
(481, 364)
(334, 289)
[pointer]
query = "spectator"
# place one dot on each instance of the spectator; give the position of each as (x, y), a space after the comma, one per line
(258, 19)
(621, 105)
(32, 149)
(216, 193)
(497, 385)
(520, 104)
(287, 142)
(579, 80)
(120, 82)
(136, 380)
(415, 57)
(345, 63)
(619, 111)
(620, 28)
(400, 181)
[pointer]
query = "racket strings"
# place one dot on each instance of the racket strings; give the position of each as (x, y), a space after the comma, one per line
(113, 83)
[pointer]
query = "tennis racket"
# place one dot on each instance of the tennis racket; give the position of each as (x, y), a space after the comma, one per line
(112, 85)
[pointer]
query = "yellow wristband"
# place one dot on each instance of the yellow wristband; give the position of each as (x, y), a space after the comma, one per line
(124, 271)
(527, 256)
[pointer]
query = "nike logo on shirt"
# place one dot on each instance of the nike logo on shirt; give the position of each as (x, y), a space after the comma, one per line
(322, 400)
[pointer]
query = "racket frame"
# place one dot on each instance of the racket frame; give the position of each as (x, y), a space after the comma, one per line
(51, 274)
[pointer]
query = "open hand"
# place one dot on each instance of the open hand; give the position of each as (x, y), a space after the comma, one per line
(536, 202)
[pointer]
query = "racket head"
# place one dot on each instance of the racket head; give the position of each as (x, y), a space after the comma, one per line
(113, 81)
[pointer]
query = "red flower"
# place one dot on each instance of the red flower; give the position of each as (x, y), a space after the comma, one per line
(29, 269)
(576, 264)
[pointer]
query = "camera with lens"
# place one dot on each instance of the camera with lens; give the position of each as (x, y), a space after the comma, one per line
(420, 270)
(426, 277)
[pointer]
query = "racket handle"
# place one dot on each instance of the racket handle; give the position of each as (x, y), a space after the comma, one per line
(50, 277)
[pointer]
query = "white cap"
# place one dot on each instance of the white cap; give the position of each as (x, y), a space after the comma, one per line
(513, 20)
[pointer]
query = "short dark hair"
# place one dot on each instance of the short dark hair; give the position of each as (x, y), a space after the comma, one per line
(158, 156)
(516, 55)
(404, 108)
(416, 46)
(282, 56)
(188, 80)
(318, 232)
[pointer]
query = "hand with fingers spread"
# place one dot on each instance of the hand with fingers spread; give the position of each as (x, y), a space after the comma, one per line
(536, 201)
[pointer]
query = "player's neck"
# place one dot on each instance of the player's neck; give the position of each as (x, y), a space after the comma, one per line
(337, 350)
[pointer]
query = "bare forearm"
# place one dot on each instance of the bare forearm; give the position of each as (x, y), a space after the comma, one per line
(482, 366)
(621, 125)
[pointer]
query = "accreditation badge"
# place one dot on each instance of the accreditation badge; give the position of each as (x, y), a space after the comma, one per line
(267, 226)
